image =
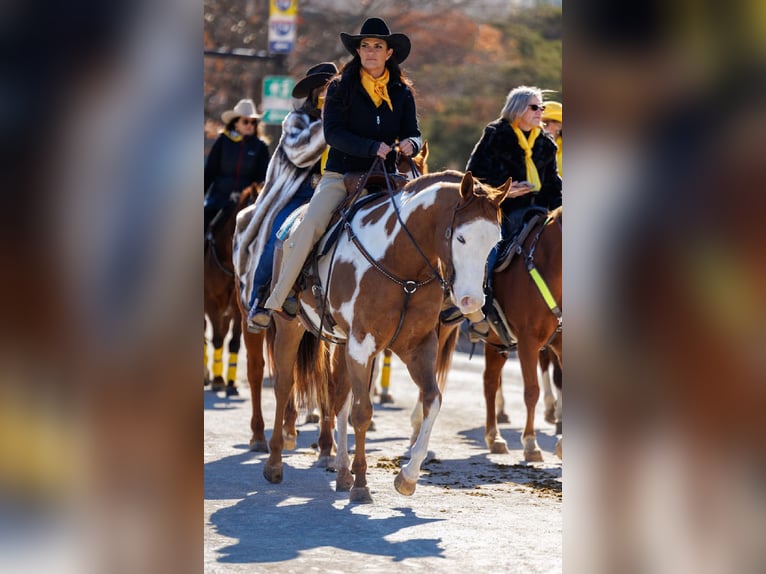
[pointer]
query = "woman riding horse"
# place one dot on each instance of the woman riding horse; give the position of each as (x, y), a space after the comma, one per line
(367, 110)
(515, 146)
(292, 176)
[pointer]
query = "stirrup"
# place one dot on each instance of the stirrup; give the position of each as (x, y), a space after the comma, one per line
(290, 306)
(478, 331)
(259, 320)
(451, 315)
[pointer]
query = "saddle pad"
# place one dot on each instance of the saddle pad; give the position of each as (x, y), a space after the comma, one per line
(333, 233)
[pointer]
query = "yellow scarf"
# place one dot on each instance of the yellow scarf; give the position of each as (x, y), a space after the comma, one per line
(232, 137)
(526, 144)
(376, 88)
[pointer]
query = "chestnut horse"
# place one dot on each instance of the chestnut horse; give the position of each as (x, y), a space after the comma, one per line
(531, 312)
(221, 306)
(382, 286)
(411, 167)
(551, 399)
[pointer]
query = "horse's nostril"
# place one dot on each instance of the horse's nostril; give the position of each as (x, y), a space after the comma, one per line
(467, 302)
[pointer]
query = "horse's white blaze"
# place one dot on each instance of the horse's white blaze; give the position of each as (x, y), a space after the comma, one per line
(411, 470)
(361, 351)
(471, 244)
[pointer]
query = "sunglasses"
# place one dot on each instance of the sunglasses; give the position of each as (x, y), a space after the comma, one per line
(249, 122)
(535, 107)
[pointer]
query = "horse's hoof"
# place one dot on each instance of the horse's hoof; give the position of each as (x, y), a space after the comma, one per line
(503, 418)
(290, 441)
(371, 427)
(558, 428)
(324, 461)
(533, 455)
(560, 448)
(404, 486)
(231, 391)
(343, 480)
(311, 418)
(498, 446)
(259, 445)
(360, 495)
(273, 473)
(386, 398)
(217, 385)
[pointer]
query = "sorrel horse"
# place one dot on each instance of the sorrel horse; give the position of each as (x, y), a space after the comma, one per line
(531, 321)
(551, 399)
(220, 297)
(412, 167)
(382, 286)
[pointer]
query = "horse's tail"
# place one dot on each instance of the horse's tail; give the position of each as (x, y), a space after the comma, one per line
(311, 373)
(448, 336)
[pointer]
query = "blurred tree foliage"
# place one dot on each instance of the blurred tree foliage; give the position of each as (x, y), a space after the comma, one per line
(462, 66)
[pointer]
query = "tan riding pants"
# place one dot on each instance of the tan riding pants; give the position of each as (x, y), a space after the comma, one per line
(329, 194)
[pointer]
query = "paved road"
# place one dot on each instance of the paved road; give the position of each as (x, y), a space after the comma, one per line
(472, 511)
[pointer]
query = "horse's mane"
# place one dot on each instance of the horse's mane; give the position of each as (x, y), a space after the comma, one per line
(424, 181)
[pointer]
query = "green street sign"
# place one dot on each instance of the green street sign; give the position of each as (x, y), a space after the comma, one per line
(277, 98)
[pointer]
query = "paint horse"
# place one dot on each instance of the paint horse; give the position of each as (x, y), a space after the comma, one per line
(412, 167)
(381, 285)
(220, 303)
(527, 313)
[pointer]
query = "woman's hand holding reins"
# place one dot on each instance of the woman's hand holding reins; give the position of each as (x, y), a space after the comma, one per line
(406, 147)
(519, 188)
(383, 150)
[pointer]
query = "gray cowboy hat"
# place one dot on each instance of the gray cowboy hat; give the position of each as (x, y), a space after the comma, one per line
(376, 28)
(315, 76)
(244, 109)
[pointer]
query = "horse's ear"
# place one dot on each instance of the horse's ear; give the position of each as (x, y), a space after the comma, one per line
(498, 199)
(466, 186)
(424, 150)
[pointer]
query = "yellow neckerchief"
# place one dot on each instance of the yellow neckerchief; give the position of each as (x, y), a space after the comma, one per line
(323, 160)
(559, 163)
(234, 138)
(376, 88)
(526, 144)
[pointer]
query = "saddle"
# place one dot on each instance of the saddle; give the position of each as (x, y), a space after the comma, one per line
(507, 249)
(375, 180)
(356, 198)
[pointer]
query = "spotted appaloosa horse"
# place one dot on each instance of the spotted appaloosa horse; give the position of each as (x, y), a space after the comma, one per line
(532, 323)
(220, 304)
(383, 284)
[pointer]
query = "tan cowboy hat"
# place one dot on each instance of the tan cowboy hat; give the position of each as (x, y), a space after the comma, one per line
(377, 28)
(315, 76)
(244, 109)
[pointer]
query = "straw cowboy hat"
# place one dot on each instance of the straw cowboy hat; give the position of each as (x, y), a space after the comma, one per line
(552, 112)
(315, 76)
(376, 28)
(243, 109)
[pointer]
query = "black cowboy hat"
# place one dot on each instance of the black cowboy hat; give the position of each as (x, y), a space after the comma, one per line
(376, 28)
(315, 76)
